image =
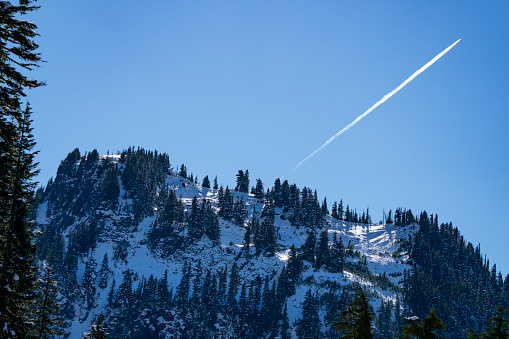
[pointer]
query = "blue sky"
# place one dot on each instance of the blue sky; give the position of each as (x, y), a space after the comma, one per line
(259, 85)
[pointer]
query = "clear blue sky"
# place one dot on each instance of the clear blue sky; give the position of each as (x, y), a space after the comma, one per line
(259, 85)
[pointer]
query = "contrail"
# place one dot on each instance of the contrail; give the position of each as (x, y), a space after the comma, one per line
(381, 101)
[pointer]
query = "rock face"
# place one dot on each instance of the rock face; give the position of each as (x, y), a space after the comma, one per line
(162, 257)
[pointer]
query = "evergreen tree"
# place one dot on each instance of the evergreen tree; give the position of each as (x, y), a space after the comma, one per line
(242, 181)
(48, 320)
(422, 329)
(17, 50)
(97, 329)
(335, 210)
(206, 182)
(215, 183)
(258, 192)
(498, 328)
(17, 248)
(239, 212)
(88, 284)
(111, 187)
(195, 222)
(337, 254)
(323, 255)
(355, 322)
(309, 326)
(104, 272)
(308, 248)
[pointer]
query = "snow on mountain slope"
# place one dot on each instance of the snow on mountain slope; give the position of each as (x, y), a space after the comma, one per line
(377, 245)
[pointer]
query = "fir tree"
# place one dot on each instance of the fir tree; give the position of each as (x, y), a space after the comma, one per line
(206, 182)
(97, 329)
(309, 326)
(308, 248)
(355, 322)
(425, 329)
(498, 328)
(259, 190)
(17, 249)
(48, 320)
(104, 272)
(322, 252)
(111, 187)
(215, 183)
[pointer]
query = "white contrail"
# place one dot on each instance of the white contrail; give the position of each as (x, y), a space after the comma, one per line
(381, 101)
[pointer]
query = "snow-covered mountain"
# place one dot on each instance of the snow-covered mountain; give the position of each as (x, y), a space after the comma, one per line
(82, 228)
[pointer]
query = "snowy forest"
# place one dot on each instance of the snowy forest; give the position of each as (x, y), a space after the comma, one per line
(129, 245)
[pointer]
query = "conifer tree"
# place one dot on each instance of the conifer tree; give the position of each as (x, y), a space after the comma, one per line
(322, 252)
(215, 183)
(206, 182)
(17, 249)
(498, 328)
(48, 320)
(309, 326)
(259, 190)
(97, 330)
(308, 248)
(425, 329)
(355, 322)
(104, 272)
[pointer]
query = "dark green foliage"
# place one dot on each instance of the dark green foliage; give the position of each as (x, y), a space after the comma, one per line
(111, 186)
(195, 221)
(259, 191)
(355, 322)
(120, 250)
(242, 181)
(215, 183)
(17, 52)
(17, 168)
(309, 326)
(97, 330)
(104, 272)
(265, 236)
(144, 173)
(88, 283)
(239, 212)
(426, 329)
(451, 276)
(48, 320)
(206, 182)
(384, 320)
(226, 204)
(308, 248)
(498, 327)
(323, 255)
(337, 255)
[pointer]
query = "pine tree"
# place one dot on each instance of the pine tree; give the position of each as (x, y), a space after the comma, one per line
(17, 49)
(323, 255)
(97, 329)
(206, 182)
(104, 272)
(48, 321)
(425, 329)
(498, 328)
(195, 222)
(258, 192)
(308, 248)
(309, 326)
(111, 187)
(215, 183)
(355, 322)
(17, 249)
(88, 284)
(337, 254)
